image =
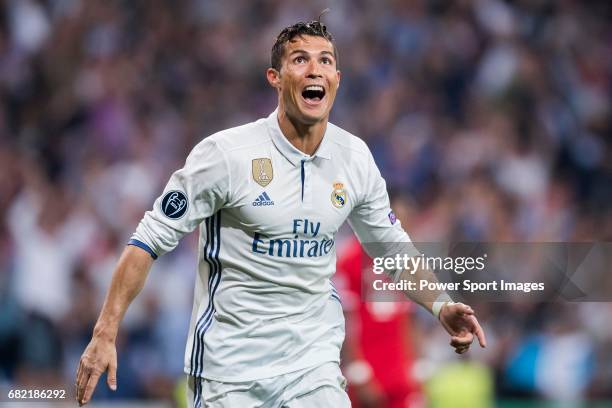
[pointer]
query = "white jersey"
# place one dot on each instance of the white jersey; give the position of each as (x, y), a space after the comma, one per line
(268, 215)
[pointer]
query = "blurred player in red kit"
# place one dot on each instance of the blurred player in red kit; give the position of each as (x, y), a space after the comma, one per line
(378, 352)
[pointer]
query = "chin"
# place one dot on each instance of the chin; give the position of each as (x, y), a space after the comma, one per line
(305, 114)
(311, 117)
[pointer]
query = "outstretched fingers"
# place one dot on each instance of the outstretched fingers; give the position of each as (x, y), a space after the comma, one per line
(88, 375)
(83, 374)
(79, 380)
(467, 312)
(111, 378)
(478, 332)
(92, 381)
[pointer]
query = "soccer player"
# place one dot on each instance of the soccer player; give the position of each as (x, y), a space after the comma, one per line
(379, 352)
(269, 197)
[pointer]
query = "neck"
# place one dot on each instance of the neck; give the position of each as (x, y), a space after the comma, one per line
(304, 137)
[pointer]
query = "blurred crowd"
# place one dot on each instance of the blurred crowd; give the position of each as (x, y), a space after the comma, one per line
(490, 118)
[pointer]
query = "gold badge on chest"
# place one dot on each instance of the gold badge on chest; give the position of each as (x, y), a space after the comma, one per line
(262, 171)
(338, 195)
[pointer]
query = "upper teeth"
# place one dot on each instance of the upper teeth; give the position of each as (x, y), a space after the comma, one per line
(314, 88)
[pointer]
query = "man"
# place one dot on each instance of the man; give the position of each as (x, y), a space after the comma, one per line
(269, 196)
(381, 343)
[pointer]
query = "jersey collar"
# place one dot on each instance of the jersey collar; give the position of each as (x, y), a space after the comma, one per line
(291, 153)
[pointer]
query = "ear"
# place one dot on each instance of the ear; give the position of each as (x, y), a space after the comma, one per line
(339, 74)
(273, 77)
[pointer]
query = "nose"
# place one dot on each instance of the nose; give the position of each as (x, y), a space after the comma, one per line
(313, 70)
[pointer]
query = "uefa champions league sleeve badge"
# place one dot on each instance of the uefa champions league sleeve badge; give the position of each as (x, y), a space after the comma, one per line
(338, 195)
(174, 204)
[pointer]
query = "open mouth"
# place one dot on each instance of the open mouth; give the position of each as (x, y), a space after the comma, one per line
(313, 93)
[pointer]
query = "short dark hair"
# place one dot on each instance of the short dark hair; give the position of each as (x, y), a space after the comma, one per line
(314, 28)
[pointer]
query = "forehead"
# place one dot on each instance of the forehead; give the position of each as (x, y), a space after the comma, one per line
(309, 43)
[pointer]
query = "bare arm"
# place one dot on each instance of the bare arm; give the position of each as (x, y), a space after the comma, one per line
(425, 298)
(101, 354)
(457, 318)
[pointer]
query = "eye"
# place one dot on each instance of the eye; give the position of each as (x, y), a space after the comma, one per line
(326, 60)
(299, 60)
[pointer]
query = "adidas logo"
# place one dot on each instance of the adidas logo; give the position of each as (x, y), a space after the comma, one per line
(263, 199)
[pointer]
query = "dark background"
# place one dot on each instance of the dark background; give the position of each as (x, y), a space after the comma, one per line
(491, 119)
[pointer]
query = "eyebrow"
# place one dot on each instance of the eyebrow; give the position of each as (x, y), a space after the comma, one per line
(306, 52)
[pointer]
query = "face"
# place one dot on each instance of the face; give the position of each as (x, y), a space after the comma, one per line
(308, 79)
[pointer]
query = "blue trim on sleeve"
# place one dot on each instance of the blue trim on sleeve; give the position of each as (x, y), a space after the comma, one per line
(144, 246)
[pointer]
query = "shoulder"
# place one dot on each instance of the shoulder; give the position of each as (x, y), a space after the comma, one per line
(240, 137)
(225, 150)
(346, 141)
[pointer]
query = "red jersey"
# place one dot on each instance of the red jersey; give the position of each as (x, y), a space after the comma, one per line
(382, 327)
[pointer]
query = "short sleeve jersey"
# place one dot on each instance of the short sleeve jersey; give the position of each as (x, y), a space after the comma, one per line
(268, 215)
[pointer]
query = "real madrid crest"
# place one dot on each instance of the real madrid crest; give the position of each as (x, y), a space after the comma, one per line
(262, 171)
(338, 195)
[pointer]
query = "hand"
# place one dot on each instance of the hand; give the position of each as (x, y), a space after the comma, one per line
(459, 321)
(99, 356)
